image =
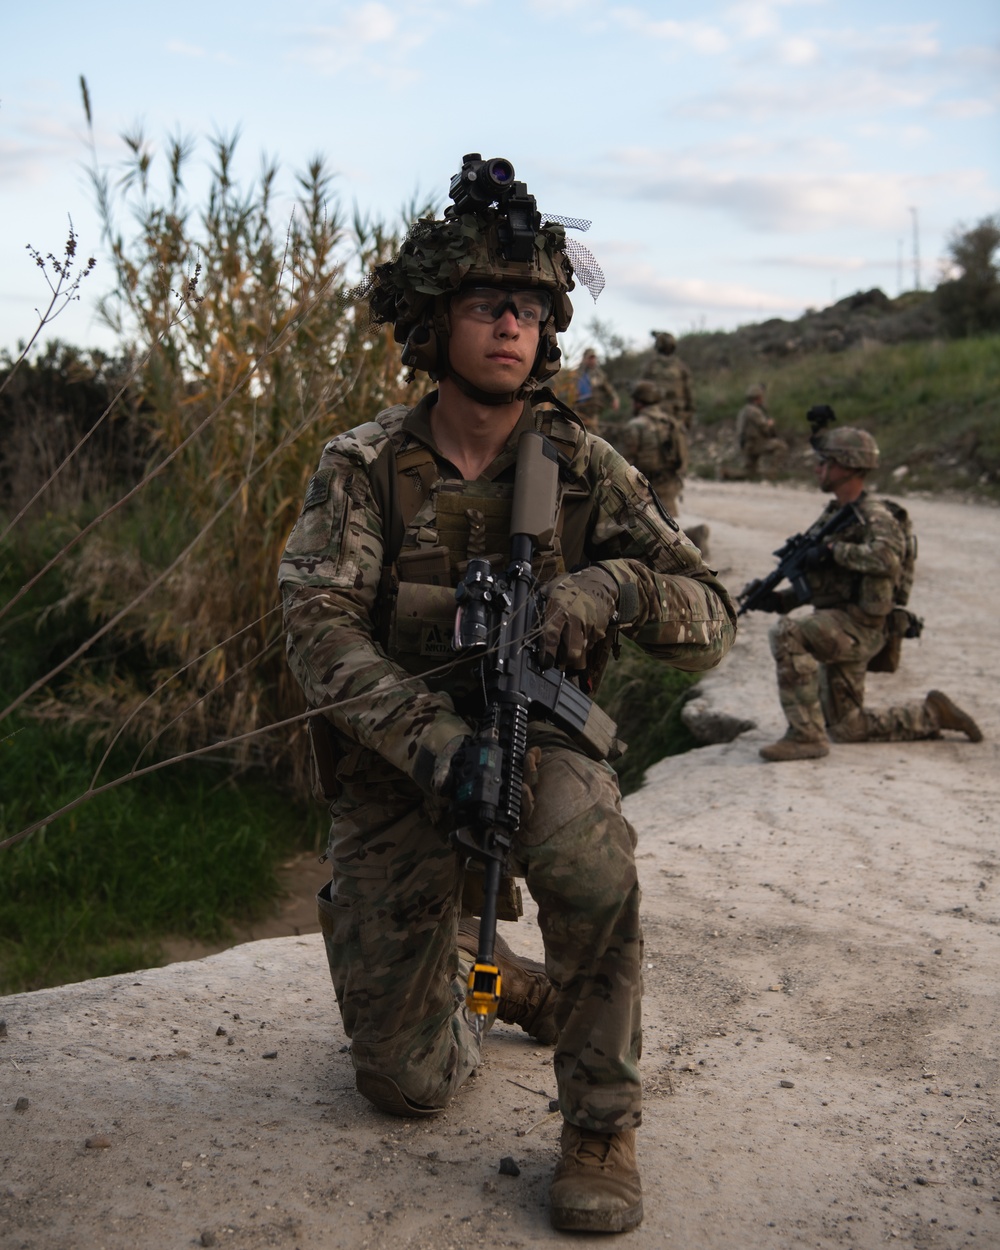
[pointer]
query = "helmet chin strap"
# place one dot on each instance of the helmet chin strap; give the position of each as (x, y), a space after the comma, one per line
(491, 398)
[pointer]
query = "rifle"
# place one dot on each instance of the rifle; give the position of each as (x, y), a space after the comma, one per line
(793, 561)
(500, 616)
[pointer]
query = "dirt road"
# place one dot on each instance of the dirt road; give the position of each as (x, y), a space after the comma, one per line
(822, 1024)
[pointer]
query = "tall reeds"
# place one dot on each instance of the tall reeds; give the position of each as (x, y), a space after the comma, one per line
(249, 354)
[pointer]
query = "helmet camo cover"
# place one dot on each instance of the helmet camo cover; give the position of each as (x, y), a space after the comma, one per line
(438, 257)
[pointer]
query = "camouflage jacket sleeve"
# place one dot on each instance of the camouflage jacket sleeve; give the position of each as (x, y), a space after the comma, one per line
(877, 548)
(867, 561)
(670, 602)
(329, 577)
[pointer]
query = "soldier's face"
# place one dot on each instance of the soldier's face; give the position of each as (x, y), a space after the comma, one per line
(830, 474)
(493, 340)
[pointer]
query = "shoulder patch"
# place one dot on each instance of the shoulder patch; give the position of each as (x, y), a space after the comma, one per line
(318, 490)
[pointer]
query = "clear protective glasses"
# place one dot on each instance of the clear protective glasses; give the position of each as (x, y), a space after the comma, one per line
(487, 304)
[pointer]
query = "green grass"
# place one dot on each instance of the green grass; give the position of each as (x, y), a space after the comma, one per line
(188, 851)
(932, 406)
(645, 698)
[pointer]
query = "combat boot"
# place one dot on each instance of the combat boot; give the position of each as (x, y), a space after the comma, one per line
(596, 1188)
(789, 748)
(950, 716)
(383, 1091)
(527, 997)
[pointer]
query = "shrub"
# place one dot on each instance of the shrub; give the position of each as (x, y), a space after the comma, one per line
(250, 354)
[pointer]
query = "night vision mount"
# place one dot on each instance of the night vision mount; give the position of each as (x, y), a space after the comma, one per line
(488, 187)
(820, 417)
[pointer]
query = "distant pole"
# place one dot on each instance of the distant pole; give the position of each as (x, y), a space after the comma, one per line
(916, 249)
(899, 266)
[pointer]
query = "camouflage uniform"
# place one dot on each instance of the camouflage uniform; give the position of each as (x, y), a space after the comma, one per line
(822, 659)
(756, 436)
(673, 378)
(656, 443)
(398, 708)
(594, 395)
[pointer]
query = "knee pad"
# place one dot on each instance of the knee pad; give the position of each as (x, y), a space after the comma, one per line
(795, 663)
(785, 639)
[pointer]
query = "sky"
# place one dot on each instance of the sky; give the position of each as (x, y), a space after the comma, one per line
(751, 161)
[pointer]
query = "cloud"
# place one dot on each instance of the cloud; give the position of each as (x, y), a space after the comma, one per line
(887, 46)
(755, 19)
(370, 28)
(185, 49)
(777, 70)
(550, 8)
(750, 148)
(825, 264)
(642, 285)
(700, 36)
(798, 50)
(45, 143)
(865, 93)
(796, 202)
(22, 164)
(967, 109)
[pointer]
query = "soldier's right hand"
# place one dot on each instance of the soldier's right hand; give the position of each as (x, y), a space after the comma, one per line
(579, 609)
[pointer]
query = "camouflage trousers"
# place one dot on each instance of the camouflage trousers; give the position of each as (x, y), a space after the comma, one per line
(390, 916)
(772, 448)
(822, 661)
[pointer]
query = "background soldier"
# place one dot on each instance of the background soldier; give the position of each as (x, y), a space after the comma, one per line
(656, 443)
(855, 579)
(368, 595)
(594, 393)
(755, 431)
(672, 376)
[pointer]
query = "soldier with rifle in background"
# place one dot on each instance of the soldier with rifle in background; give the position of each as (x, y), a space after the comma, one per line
(756, 433)
(656, 443)
(671, 376)
(446, 766)
(855, 565)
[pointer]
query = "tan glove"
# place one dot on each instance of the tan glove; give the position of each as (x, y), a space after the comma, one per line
(579, 609)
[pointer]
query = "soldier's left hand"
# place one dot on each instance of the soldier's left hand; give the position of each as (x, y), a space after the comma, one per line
(579, 609)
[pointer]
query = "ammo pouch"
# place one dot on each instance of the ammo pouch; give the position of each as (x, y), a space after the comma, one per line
(509, 903)
(899, 624)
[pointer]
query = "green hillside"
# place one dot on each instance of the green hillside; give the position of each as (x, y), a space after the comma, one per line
(933, 403)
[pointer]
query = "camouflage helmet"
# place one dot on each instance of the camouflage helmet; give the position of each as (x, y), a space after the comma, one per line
(664, 341)
(646, 392)
(755, 391)
(848, 446)
(438, 257)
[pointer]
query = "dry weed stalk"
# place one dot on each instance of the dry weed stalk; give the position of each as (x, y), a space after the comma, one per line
(249, 345)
